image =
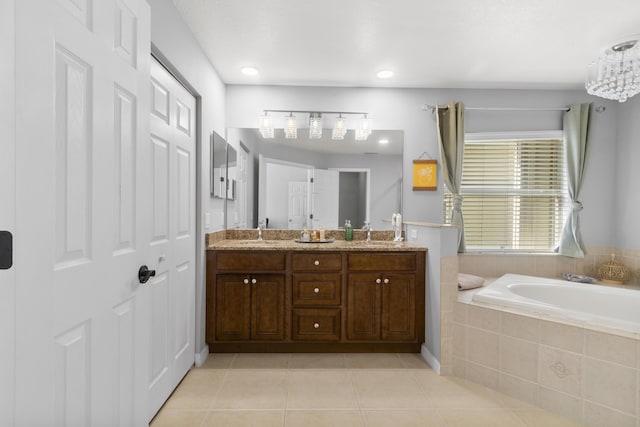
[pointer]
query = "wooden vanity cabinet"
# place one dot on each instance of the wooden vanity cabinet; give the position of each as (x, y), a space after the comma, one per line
(249, 307)
(315, 301)
(316, 296)
(381, 300)
(246, 296)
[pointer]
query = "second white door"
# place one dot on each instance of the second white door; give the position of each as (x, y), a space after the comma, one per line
(173, 153)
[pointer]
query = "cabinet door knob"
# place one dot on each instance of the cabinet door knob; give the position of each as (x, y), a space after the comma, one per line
(254, 281)
(316, 262)
(378, 281)
(386, 280)
(245, 281)
(316, 325)
(316, 290)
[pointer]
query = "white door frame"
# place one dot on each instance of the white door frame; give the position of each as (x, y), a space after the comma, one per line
(368, 201)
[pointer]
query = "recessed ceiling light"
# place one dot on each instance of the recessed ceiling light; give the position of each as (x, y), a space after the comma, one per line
(384, 74)
(383, 141)
(249, 71)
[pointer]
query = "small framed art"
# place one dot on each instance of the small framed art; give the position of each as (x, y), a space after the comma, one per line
(425, 174)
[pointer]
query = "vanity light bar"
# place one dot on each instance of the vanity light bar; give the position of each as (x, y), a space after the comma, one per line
(362, 130)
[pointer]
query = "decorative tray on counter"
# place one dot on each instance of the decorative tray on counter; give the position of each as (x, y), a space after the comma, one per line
(316, 241)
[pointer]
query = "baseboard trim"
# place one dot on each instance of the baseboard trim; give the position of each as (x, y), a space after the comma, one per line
(201, 356)
(430, 358)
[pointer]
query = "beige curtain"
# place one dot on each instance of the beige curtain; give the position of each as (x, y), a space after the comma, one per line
(450, 125)
(576, 147)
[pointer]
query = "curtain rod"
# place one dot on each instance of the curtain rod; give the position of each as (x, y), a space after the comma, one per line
(426, 107)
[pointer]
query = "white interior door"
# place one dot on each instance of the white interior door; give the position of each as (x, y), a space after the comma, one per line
(242, 196)
(325, 195)
(173, 152)
(7, 210)
(297, 202)
(82, 208)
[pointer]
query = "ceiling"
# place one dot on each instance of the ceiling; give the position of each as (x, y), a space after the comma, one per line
(519, 44)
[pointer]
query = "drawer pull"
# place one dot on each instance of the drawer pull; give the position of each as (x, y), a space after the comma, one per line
(316, 290)
(316, 262)
(245, 281)
(316, 325)
(378, 281)
(254, 281)
(386, 281)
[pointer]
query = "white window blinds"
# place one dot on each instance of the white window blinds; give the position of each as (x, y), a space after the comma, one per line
(514, 193)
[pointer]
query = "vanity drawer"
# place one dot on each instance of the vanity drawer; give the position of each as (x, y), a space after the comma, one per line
(316, 289)
(250, 261)
(380, 261)
(316, 261)
(322, 324)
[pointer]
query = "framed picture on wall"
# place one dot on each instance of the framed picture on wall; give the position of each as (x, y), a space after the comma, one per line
(425, 174)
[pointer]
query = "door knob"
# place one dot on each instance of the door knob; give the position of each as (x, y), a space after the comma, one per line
(144, 274)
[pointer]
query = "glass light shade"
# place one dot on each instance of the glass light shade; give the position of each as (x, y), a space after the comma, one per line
(291, 127)
(265, 125)
(616, 75)
(315, 126)
(363, 129)
(339, 129)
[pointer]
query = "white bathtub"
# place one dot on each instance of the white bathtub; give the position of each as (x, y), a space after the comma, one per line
(598, 306)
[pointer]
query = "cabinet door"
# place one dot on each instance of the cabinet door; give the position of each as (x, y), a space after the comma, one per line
(233, 307)
(267, 307)
(363, 306)
(398, 307)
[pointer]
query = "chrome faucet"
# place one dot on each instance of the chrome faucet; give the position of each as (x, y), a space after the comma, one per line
(260, 227)
(367, 226)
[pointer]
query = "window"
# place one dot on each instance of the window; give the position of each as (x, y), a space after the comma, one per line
(514, 189)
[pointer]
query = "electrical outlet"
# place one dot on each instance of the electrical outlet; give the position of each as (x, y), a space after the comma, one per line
(414, 234)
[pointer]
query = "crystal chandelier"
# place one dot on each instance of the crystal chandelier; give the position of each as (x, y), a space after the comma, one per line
(616, 75)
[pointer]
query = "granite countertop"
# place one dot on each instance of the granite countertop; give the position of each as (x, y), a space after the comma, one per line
(292, 245)
(284, 240)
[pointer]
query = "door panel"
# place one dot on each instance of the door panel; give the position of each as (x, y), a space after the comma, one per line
(82, 211)
(363, 305)
(398, 307)
(297, 202)
(267, 301)
(124, 173)
(172, 136)
(233, 307)
(326, 191)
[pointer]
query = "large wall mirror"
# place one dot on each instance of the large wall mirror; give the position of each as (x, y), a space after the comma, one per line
(298, 183)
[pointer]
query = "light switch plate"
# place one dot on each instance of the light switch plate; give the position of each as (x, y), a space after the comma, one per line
(414, 234)
(207, 220)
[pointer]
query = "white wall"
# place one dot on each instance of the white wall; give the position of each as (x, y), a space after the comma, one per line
(401, 109)
(179, 50)
(627, 174)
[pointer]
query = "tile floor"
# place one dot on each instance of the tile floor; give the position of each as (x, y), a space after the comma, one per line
(338, 390)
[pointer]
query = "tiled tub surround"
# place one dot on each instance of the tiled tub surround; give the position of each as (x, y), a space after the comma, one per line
(549, 265)
(587, 375)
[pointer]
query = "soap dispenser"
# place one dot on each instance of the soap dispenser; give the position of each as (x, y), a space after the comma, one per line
(348, 231)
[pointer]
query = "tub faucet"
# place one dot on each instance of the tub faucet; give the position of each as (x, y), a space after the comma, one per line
(367, 226)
